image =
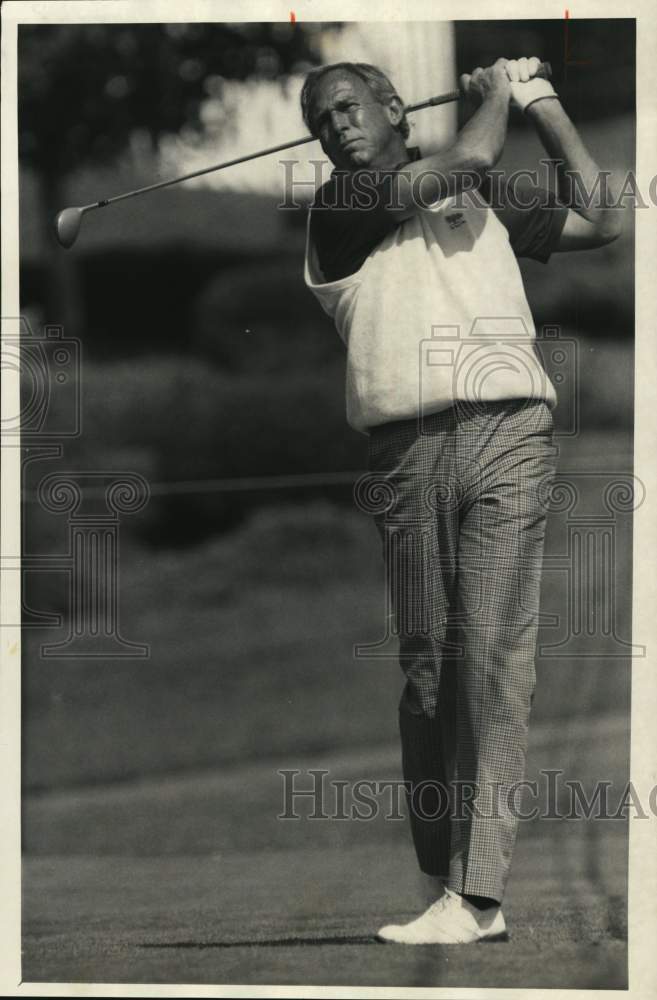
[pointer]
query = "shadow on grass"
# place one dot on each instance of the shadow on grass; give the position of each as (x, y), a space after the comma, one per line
(288, 942)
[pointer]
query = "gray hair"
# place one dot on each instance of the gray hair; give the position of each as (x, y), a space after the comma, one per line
(377, 81)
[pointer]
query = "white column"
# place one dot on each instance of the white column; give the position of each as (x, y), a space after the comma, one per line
(418, 56)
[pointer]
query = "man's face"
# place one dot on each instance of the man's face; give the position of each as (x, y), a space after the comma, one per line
(355, 130)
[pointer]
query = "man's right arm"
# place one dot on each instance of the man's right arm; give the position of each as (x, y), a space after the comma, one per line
(345, 238)
(476, 149)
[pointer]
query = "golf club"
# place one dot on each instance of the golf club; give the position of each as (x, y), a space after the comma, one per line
(69, 220)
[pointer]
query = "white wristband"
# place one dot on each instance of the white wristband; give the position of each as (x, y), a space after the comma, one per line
(545, 97)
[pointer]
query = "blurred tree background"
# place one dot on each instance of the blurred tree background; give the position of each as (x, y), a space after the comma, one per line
(86, 90)
(204, 358)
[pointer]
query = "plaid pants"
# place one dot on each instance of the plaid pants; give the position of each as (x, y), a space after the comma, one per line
(463, 530)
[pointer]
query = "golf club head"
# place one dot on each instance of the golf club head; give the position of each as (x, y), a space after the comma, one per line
(67, 226)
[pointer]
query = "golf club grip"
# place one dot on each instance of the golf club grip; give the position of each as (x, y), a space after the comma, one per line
(544, 71)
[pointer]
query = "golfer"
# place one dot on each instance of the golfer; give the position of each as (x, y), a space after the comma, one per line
(415, 259)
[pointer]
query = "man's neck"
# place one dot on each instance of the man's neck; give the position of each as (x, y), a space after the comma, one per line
(390, 158)
(405, 154)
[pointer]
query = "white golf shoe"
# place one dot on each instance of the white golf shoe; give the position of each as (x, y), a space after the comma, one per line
(450, 920)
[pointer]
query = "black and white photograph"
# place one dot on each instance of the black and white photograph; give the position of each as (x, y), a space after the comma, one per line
(327, 479)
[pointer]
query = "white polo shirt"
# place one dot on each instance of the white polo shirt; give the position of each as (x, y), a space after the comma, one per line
(435, 313)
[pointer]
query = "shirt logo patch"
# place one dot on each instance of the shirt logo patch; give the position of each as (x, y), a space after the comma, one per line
(455, 219)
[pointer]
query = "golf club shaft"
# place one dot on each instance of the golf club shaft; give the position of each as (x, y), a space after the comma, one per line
(452, 95)
(431, 102)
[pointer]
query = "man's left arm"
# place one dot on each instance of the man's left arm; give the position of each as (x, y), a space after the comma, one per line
(592, 220)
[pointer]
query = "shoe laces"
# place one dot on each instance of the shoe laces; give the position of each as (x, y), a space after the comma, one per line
(440, 903)
(447, 897)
